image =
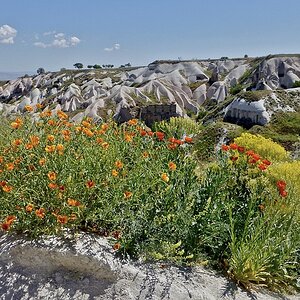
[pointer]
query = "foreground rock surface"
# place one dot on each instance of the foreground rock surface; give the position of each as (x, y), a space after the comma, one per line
(85, 267)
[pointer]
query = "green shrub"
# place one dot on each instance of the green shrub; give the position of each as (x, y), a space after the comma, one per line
(236, 89)
(296, 84)
(178, 127)
(252, 96)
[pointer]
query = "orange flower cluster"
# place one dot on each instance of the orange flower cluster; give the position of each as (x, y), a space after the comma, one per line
(165, 177)
(172, 166)
(281, 185)
(17, 123)
(52, 176)
(40, 213)
(253, 158)
(61, 115)
(90, 184)
(8, 222)
(127, 194)
(5, 187)
(73, 202)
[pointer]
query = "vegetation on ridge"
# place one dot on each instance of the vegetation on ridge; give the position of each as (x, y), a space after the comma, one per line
(148, 192)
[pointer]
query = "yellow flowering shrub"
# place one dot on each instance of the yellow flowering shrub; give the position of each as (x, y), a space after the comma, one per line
(289, 172)
(179, 126)
(263, 146)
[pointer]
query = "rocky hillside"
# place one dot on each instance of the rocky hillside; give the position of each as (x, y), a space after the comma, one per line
(245, 91)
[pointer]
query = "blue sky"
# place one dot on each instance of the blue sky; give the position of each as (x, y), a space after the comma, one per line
(58, 33)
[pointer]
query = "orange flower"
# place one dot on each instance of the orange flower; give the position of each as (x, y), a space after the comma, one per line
(105, 145)
(17, 142)
(160, 135)
(165, 177)
(10, 219)
(51, 122)
(52, 185)
(225, 148)
(3, 183)
(8, 222)
(99, 141)
(28, 146)
(31, 167)
(50, 149)
(128, 138)
(86, 124)
(188, 140)
(172, 166)
(34, 140)
(62, 219)
(29, 207)
(7, 188)
(50, 138)
(143, 132)
(42, 161)
(261, 207)
(66, 132)
(150, 133)
(18, 160)
(78, 129)
(233, 146)
(127, 194)
(114, 173)
(52, 176)
(172, 146)
(132, 122)
(1, 159)
(40, 213)
(117, 246)
(241, 149)
(145, 154)
(10, 166)
(67, 138)
(234, 158)
(281, 184)
(5, 226)
(119, 164)
(87, 132)
(266, 162)
(90, 184)
(60, 147)
(250, 152)
(28, 108)
(262, 167)
(73, 202)
(17, 123)
(283, 193)
(39, 106)
(104, 126)
(61, 115)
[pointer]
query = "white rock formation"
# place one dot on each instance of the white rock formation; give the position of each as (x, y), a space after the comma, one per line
(85, 267)
(241, 109)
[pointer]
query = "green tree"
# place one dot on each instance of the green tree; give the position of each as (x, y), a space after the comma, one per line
(40, 71)
(78, 65)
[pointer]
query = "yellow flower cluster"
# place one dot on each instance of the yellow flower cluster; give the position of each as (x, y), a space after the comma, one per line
(289, 172)
(262, 146)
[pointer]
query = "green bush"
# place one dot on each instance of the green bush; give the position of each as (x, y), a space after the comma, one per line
(296, 84)
(178, 127)
(146, 191)
(236, 89)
